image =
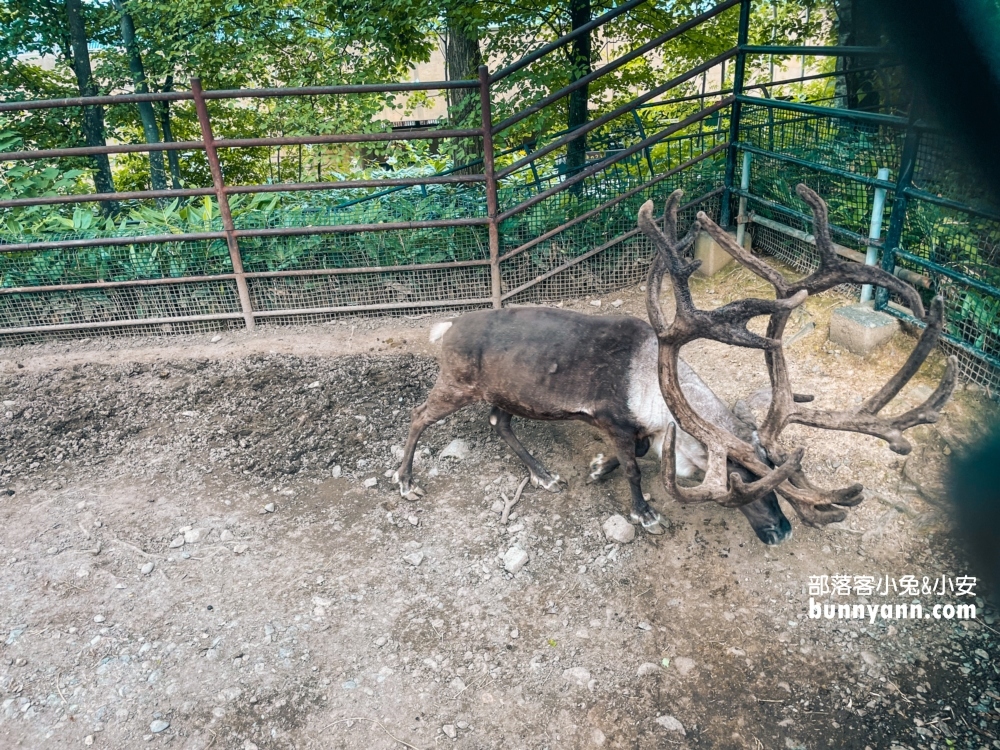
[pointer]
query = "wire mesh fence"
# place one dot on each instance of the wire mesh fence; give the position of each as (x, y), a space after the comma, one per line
(949, 243)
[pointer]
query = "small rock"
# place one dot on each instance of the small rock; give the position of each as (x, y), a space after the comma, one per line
(269, 508)
(684, 665)
(381, 641)
(88, 740)
(239, 549)
(497, 506)
(617, 303)
(249, 745)
(414, 558)
(336, 471)
(216, 339)
(514, 559)
(577, 675)
(226, 536)
(457, 449)
(194, 535)
(158, 726)
(618, 529)
(595, 303)
(314, 384)
(449, 730)
(370, 482)
(648, 669)
(645, 626)
(178, 542)
(99, 618)
(414, 521)
(671, 724)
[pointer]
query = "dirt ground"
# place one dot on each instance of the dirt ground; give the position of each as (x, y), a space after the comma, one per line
(190, 558)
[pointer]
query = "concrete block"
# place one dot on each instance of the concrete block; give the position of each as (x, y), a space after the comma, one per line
(712, 255)
(859, 329)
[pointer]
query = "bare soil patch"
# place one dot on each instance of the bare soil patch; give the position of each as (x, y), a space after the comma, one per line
(280, 605)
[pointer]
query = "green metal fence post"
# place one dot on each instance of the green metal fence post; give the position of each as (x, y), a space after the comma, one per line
(491, 186)
(898, 217)
(743, 35)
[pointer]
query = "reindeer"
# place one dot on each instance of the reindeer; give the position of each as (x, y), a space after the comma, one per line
(624, 376)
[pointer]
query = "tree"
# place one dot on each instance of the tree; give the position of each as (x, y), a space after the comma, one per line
(146, 113)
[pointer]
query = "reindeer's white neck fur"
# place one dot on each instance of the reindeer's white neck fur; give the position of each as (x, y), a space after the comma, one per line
(645, 402)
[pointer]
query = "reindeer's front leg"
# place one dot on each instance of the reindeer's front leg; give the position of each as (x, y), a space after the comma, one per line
(642, 512)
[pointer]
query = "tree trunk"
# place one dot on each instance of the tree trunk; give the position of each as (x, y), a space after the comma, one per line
(168, 136)
(462, 60)
(93, 116)
(147, 114)
(579, 60)
(857, 26)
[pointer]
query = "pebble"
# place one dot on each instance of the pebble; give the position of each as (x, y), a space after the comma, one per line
(450, 731)
(370, 482)
(178, 542)
(158, 726)
(618, 529)
(671, 724)
(413, 520)
(194, 535)
(617, 303)
(595, 303)
(336, 471)
(457, 449)
(414, 558)
(684, 665)
(239, 549)
(269, 508)
(497, 506)
(514, 559)
(216, 339)
(577, 675)
(647, 669)
(226, 536)
(99, 618)
(381, 641)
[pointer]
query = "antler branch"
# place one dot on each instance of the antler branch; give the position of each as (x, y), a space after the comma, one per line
(728, 324)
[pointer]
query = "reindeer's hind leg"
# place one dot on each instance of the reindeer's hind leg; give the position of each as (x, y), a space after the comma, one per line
(500, 420)
(444, 399)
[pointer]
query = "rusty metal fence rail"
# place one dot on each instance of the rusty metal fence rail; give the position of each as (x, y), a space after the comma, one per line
(513, 263)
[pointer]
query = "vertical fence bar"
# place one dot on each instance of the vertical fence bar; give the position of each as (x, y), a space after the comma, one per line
(898, 217)
(741, 218)
(875, 229)
(739, 72)
(491, 185)
(220, 194)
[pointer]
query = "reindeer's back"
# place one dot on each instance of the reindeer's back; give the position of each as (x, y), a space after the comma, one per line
(542, 362)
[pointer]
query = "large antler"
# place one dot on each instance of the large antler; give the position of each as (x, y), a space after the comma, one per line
(728, 325)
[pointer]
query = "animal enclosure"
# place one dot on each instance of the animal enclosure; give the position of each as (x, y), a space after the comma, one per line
(522, 223)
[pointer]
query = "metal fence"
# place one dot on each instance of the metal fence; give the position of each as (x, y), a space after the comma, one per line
(518, 225)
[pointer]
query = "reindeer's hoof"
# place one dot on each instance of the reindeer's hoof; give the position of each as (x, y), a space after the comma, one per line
(650, 520)
(546, 482)
(406, 490)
